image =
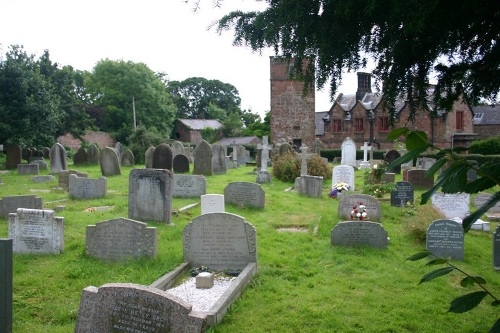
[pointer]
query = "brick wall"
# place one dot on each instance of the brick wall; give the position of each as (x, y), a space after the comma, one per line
(101, 139)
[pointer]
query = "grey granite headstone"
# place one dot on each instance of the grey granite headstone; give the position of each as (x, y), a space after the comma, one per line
(451, 205)
(348, 152)
(36, 231)
(87, 188)
(310, 186)
(28, 169)
(445, 239)
(119, 149)
(402, 194)
(245, 194)
(496, 248)
(162, 157)
(42, 165)
(343, 173)
(220, 241)
(219, 160)
(189, 186)
(121, 239)
(132, 308)
(43, 179)
(93, 154)
(359, 233)
(347, 202)
(148, 157)
(390, 157)
(128, 158)
(482, 198)
(64, 177)
(10, 204)
(150, 195)
(13, 156)
(110, 163)
(81, 157)
(58, 157)
(203, 159)
(181, 163)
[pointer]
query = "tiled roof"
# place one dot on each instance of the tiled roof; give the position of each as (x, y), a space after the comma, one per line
(486, 114)
(199, 124)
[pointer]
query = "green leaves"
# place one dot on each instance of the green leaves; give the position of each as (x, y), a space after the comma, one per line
(436, 273)
(418, 256)
(471, 280)
(467, 302)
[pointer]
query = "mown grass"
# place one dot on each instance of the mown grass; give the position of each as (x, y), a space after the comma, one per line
(304, 284)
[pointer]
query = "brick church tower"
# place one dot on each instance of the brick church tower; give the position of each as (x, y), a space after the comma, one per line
(292, 114)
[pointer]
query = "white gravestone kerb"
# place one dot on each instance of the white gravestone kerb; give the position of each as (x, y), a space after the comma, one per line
(212, 203)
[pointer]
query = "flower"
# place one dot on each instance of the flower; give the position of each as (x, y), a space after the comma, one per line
(359, 212)
(333, 193)
(340, 186)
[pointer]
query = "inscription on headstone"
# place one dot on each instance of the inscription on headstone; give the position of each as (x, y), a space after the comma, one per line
(452, 205)
(189, 186)
(245, 194)
(445, 239)
(358, 233)
(402, 194)
(87, 188)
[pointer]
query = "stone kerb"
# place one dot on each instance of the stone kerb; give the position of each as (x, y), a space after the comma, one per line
(121, 239)
(10, 204)
(373, 206)
(245, 194)
(87, 188)
(359, 233)
(189, 186)
(28, 169)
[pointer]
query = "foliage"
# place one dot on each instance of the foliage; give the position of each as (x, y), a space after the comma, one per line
(259, 128)
(378, 189)
(407, 42)
(286, 167)
(210, 135)
(232, 125)
(197, 270)
(489, 146)
(141, 139)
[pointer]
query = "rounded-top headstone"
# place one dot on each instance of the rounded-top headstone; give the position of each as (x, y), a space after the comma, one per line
(162, 157)
(110, 165)
(58, 157)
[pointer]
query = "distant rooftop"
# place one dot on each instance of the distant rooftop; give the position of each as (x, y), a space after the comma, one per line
(486, 114)
(199, 124)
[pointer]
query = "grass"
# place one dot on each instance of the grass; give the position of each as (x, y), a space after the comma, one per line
(304, 284)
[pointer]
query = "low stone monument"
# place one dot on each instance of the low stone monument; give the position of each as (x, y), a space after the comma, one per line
(245, 194)
(10, 204)
(28, 169)
(64, 177)
(87, 188)
(359, 233)
(189, 186)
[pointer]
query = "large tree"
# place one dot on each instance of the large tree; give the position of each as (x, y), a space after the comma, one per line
(409, 41)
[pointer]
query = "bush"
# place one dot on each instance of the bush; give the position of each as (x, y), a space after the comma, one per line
(286, 167)
(141, 139)
(489, 146)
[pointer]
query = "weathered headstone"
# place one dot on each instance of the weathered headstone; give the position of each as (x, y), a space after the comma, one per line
(285, 148)
(318, 145)
(482, 198)
(110, 163)
(64, 177)
(418, 179)
(390, 157)
(42, 165)
(180, 163)
(365, 164)
(13, 156)
(496, 248)
(46, 153)
(162, 157)
(128, 158)
(81, 157)
(26, 154)
(10, 204)
(402, 194)
(203, 159)
(93, 154)
(87, 188)
(359, 233)
(311, 186)
(263, 175)
(43, 179)
(119, 149)
(212, 203)
(58, 157)
(343, 173)
(6, 285)
(242, 155)
(452, 205)
(28, 169)
(218, 160)
(36, 231)
(189, 186)
(150, 195)
(121, 239)
(148, 157)
(348, 152)
(445, 239)
(303, 160)
(177, 149)
(245, 194)
(373, 206)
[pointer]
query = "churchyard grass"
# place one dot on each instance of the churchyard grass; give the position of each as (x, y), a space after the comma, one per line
(304, 284)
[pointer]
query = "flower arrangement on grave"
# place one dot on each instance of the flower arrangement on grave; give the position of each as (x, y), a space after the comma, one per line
(378, 190)
(377, 171)
(359, 212)
(338, 188)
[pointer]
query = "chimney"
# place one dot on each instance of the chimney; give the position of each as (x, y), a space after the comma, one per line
(364, 85)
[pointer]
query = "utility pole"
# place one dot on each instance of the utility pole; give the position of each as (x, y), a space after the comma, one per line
(133, 110)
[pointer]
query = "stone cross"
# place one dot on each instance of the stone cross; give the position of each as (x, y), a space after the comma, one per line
(365, 164)
(303, 165)
(265, 153)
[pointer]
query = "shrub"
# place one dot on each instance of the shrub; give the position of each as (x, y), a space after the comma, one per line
(489, 146)
(141, 139)
(286, 167)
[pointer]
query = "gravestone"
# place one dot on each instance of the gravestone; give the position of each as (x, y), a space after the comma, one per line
(390, 157)
(128, 158)
(189, 186)
(318, 145)
(119, 150)
(418, 179)
(110, 163)
(245, 194)
(388, 177)
(212, 203)
(87, 188)
(402, 194)
(93, 154)
(496, 248)
(221, 241)
(177, 149)
(46, 153)
(348, 152)
(58, 157)
(482, 198)
(343, 173)
(64, 177)
(126, 307)
(218, 160)
(36, 231)
(264, 176)
(359, 233)
(150, 195)
(234, 153)
(28, 169)
(148, 157)
(347, 202)
(451, 205)
(203, 159)
(121, 239)
(310, 186)
(365, 164)
(43, 179)
(162, 157)
(26, 154)
(285, 148)
(10, 204)
(13, 156)
(6, 285)
(242, 155)
(445, 239)
(81, 157)
(180, 163)
(472, 173)
(42, 165)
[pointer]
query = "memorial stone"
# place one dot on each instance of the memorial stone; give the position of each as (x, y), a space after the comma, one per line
(13, 157)
(285, 148)
(26, 154)
(148, 157)
(189, 186)
(264, 176)
(110, 163)
(451, 205)
(28, 169)
(348, 152)
(218, 160)
(388, 177)
(93, 155)
(310, 186)
(119, 150)
(373, 206)
(445, 239)
(365, 164)
(245, 194)
(87, 188)
(64, 177)
(343, 173)
(318, 145)
(58, 157)
(6, 285)
(212, 203)
(162, 157)
(390, 157)
(402, 194)
(10, 204)
(203, 159)
(46, 153)
(128, 158)
(81, 157)
(496, 248)
(242, 155)
(303, 160)
(177, 149)
(42, 165)
(418, 179)
(180, 163)
(359, 233)
(43, 179)
(482, 198)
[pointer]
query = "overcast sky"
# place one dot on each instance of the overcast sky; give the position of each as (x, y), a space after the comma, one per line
(166, 35)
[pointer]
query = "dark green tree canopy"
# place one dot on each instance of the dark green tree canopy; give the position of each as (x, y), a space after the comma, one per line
(409, 41)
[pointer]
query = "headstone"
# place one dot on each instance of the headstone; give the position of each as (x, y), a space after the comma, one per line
(285, 148)
(177, 149)
(42, 165)
(119, 148)
(242, 155)
(390, 157)
(43, 179)
(64, 177)
(212, 203)
(110, 163)
(121, 239)
(235, 153)
(263, 176)
(162, 157)
(496, 248)
(402, 194)
(87, 188)
(318, 145)
(348, 152)
(445, 239)
(148, 157)
(417, 178)
(189, 186)
(221, 241)
(452, 205)
(81, 157)
(180, 163)
(373, 206)
(218, 160)
(426, 163)
(472, 173)
(58, 157)
(245, 194)
(359, 233)
(6, 285)
(303, 160)
(343, 173)
(28, 169)
(203, 159)
(388, 177)
(36, 231)
(26, 154)
(150, 195)
(46, 153)
(93, 155)
(482, 198)
(13, 157)
(365, 164)
(310, 186)
(128, 158)
(10, 204)
(126, 307)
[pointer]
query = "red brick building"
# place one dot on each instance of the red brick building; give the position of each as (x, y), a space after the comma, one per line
(189, 130)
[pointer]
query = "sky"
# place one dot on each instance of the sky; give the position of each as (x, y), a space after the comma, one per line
(166, 35)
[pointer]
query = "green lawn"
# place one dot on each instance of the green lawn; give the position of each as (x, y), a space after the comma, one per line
(304, 284)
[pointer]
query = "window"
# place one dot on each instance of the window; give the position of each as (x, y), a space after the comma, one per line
(359, 125)
(337, 125)
(383, 124)
(460, 120)
(296, 128)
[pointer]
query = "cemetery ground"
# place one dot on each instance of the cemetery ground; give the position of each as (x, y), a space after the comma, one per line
(303, 284)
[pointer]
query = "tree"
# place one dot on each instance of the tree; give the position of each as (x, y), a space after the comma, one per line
(259, 128)
(457, 41)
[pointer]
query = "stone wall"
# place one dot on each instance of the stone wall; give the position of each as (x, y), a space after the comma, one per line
(101, 139)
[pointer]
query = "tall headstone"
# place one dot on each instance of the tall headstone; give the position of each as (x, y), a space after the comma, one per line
(445, 239)
(402, 194)
(13, 156)
(365, 164)
(81, 157)
(203, 159)
(212, 203)
(348, 152)
(119, 148)
(87, 188)
(128, 158)
(110, 163)
(150, 195)
(496, 248)
(264, 176)
(390, 157)
(162, 157)
(451, 205)
(343, 173)
(26, 154)
(177, 149)
(189, 186)
(245, 194)
(10, 204)
(373, 206)
(58, 157)
(218, 160)
(359, 233)
(93, 154)
(318, 145)
(303, 160)
(6, 285)
(235, 153)
(180, 163)
(148, 157)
